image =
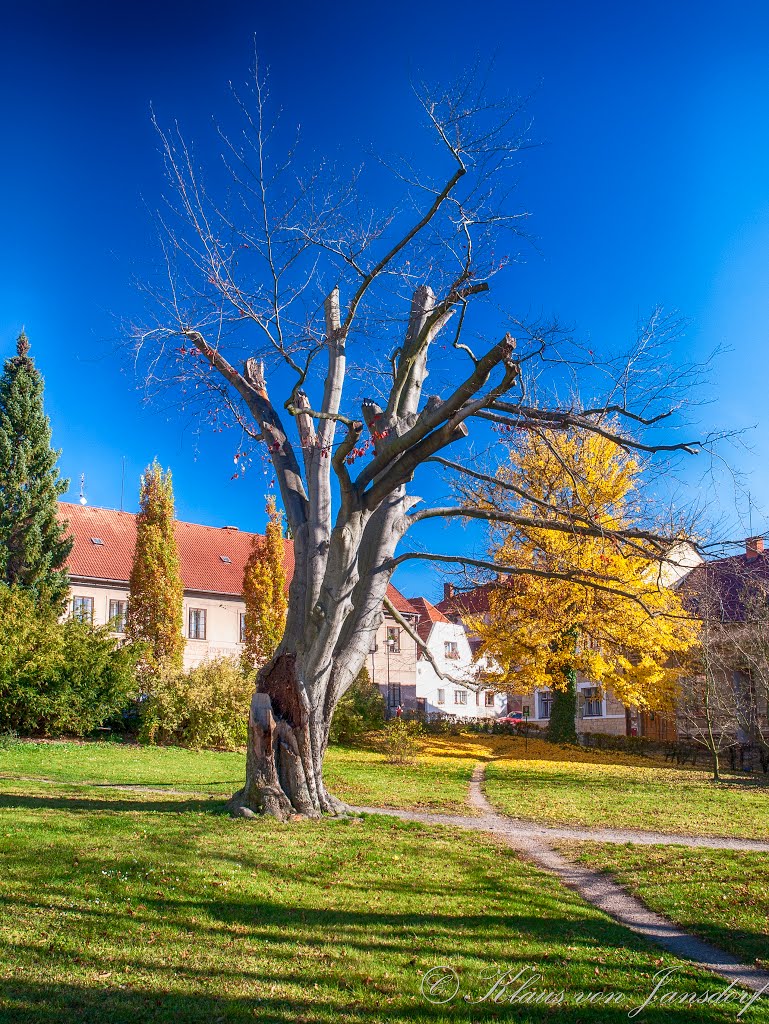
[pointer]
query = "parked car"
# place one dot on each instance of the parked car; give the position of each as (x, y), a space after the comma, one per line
(516, 718)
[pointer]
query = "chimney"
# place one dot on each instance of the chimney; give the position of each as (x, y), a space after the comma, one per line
(448, 591)
(754, 546)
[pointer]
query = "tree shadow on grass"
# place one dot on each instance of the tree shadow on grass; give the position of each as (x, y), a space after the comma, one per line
(30, 1003)
(281, 946)
(257, 963)
(163, 785)
(20, 801)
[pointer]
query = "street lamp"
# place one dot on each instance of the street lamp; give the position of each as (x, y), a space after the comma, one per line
(390, 643)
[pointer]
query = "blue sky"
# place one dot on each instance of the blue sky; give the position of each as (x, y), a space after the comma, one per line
(649, 184)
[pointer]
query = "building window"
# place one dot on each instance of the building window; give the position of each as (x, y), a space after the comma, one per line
(394, 639)
(197, 624)
(450, 650)
(545, 704)
(82, 609)
(242, 631)
(118, 613)
(489, 699)
(441, 697)
(592, 706)
(460, 696)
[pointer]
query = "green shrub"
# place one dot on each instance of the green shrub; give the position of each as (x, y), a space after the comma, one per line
(359, 711)
(399, 741)
(58, 678)
(96, 679)
(205, 707)
(30, 653)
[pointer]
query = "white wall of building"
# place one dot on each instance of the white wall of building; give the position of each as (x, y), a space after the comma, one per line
(442, 695)
(392, 665)
(601, 713)
(222, 634)
(222, 619)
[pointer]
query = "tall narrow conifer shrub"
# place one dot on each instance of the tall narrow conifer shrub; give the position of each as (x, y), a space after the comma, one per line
(155, 607)
(34, 543)
(264, 591)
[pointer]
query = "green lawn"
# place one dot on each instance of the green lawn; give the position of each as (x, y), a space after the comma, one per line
(580, 787)
(539, 781)
(437, 781)
(720, 895)
(205, 771)
(121, 906)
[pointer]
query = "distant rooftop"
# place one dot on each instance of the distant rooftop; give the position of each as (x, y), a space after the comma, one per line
(213, 558)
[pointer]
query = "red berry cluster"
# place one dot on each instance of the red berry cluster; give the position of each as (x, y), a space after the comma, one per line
(356, 453)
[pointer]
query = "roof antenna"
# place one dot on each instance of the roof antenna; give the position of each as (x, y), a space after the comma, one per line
(122, 485)
(750, 515)
(83, 499)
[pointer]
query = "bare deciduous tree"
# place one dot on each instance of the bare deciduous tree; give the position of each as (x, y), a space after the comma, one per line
(289, 287)
(723, 705)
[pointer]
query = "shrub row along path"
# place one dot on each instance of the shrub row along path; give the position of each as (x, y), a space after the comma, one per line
(534, 841)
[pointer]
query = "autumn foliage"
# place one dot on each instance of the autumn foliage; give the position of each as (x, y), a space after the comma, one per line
(155, 608)
(264, 591)
(592, 602)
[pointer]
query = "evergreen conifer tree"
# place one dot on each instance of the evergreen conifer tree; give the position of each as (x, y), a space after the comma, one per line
(264, 591)
(155, 607)
(562, 727)
(34, 543)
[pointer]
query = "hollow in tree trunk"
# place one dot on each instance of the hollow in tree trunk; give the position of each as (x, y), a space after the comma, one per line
(287, 742)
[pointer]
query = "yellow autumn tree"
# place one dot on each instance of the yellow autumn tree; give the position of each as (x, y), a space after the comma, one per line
(156, 603)
(587, 592)
(264, 591)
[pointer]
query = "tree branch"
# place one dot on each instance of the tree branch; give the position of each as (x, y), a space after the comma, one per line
(580, 577)
(434, 414)
(423, 646)
(558, 419)
(400, 245)
(493, 516)
(354, 430)
(251, 387)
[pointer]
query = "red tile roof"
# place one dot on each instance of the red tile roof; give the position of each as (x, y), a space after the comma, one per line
(467, 602)
(200, 551)
(428, 614)
(399, 602)
(722, 585)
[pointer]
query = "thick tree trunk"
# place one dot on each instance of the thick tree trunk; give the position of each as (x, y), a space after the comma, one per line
(286, 744)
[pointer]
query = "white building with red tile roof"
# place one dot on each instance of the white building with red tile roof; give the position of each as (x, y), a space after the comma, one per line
(449, 646)
(212, 563)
